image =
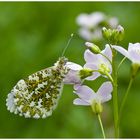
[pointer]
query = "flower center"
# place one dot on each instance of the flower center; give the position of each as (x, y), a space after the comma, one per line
(84, 73)
(103, 69)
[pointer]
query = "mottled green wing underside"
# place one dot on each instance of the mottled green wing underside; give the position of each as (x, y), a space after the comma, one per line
(37, 96)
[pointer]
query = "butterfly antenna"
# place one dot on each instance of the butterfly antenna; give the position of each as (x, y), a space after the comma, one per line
(67, 44)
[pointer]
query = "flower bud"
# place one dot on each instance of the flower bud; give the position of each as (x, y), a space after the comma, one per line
(84, 73)
(92, 47)
(113, 35)
(96, 107)
(106, 33)
(120, 30)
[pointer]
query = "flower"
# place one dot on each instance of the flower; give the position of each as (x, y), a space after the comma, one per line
(133, 53)
(73, 76)
(88, 97)
(76, 73)
(90, 25)
(100, 63)
(90, 20)
(89, 35)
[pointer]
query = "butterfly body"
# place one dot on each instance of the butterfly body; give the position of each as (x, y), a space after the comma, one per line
(37, 96)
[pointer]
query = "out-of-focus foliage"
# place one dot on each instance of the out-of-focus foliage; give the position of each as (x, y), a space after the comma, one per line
(32, 37)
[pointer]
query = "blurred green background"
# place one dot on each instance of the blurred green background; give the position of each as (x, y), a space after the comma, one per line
(32, 37)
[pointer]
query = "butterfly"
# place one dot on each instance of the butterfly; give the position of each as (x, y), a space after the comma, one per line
(37, 95)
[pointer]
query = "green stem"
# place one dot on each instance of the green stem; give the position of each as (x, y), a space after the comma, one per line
(101, 125)
(106, 58)
(115, 96)
(125, 96)
(110, 77)
(121, 63)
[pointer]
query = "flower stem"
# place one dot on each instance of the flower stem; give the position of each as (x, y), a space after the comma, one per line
(101, 125)
(110, 77)
(106, 58)
(125, 96)
(115, 95)
(121, 63)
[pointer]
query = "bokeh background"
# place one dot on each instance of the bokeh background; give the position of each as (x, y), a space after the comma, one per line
(32, 37)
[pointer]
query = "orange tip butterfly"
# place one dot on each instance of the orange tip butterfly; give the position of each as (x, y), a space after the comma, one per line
(38, 95)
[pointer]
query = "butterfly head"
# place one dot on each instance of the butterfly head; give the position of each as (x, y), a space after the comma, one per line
(61, 63)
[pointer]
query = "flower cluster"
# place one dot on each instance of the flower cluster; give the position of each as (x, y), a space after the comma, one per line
(91, 25)
(101, 63)
(97, 64)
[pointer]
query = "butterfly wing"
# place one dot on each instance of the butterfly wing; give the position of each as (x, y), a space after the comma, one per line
(38, 95)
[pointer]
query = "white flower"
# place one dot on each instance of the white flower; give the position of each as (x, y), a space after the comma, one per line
(73, 76)
(89, 35)
(76, 74)
(98, 62)
(133, 53)
(90, 25)
(90, 20)
(113, 22)
(87, 96)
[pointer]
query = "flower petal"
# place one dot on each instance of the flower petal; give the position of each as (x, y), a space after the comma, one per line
(113, 22)
(85, 93)
(107, 52)
(76, 86)
(73, 66)
(94, 76)
(121, 50)
(83, 20)
(85, 33)
(90, 57)
(134, 56)
(104, 91)
(93, 67)
(79, 101)
(97, 34)
(72, 77)
(90, 20)
(96, 18)
(131, 46)
(134, 52)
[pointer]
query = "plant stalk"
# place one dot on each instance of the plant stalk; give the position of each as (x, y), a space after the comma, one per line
(101, 125)
(115, 96)
(125, 96)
